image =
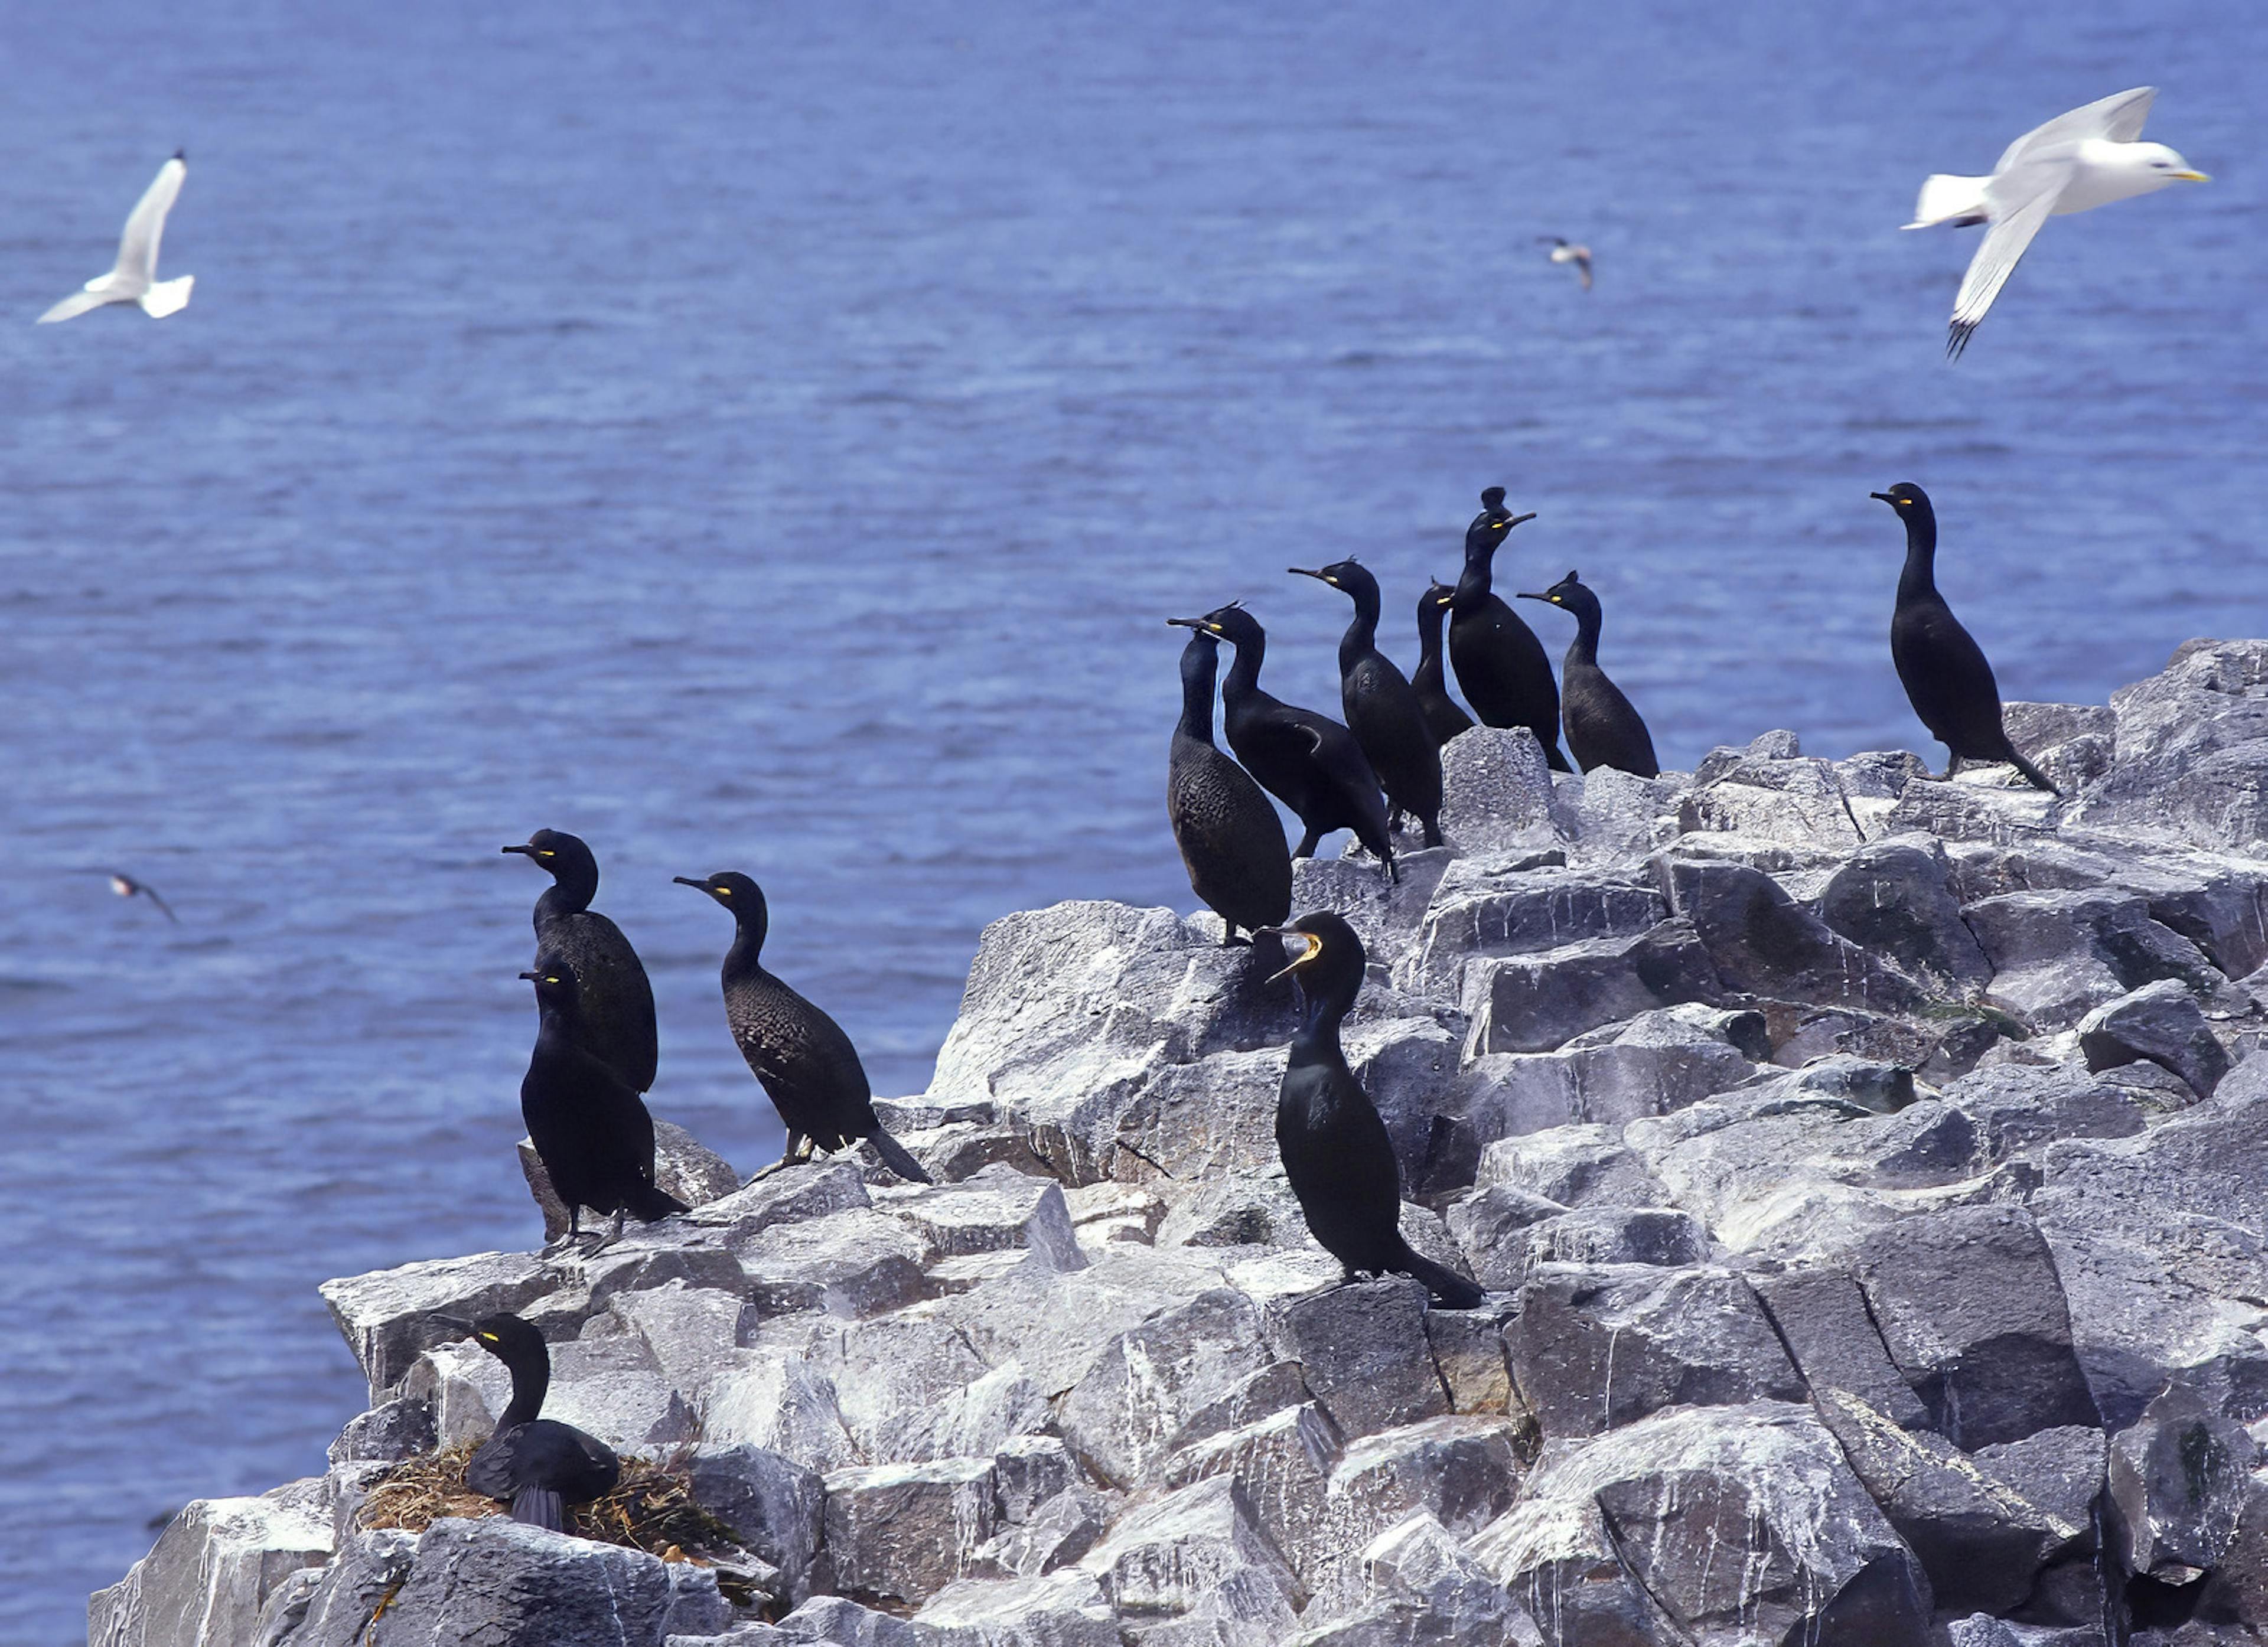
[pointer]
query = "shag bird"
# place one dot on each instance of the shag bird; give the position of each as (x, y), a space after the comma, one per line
(2088, 157)
(617, 1002)
(1561, 252)
(1944, 670)
(537, 1465)
(1336, 1150)
(806, 1064)
(125, 886)
(1499, 662)
(1603, 729)
(592, 1131)
(1445, 717)
(1307, 760)
(134, 277)
(1230, 839)
(1384, 710)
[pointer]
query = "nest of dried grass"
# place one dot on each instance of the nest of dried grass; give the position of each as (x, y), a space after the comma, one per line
(652, 1508)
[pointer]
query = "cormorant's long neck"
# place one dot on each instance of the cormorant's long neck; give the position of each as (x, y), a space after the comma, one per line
(1586, 647)
(1319, 1029)
(1919, 576)
(746, 953)
(529, 1381)
(1361, 636)
(1197, 699)
(569, 894)
(1429, 644)
(1473, 584)
(1244, 673)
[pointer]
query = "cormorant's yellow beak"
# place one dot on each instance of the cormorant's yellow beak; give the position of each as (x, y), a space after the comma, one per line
(2193, 176)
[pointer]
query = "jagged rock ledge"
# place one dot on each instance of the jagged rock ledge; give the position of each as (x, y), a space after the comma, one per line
(1867, 1172)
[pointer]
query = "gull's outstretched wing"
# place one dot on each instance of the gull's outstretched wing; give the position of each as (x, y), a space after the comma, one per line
(1996, 260)
(137, 247)
(2118, 117)
(78, 303)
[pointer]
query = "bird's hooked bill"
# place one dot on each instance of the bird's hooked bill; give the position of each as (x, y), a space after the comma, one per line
(1309, 945)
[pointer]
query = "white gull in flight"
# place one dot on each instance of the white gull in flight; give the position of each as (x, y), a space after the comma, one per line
(135, 279)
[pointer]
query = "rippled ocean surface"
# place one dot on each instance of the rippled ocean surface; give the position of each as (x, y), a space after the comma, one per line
(770, 437)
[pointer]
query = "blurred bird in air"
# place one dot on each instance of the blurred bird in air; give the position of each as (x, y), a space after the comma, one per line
(135, 278)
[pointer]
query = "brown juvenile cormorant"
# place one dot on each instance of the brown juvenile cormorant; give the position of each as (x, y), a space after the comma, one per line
(1336, 1150)
(1445, 717)
(1307, 760)
(1499, 662)
(537, 1465)
(1943, 669)
(1230, 842)
(592, 1131)
(1603, 729)
(807, 1065)
(1382, 708)
(617, 1015)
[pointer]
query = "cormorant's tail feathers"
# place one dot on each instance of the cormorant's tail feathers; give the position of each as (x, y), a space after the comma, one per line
(2032, 774)
(539, 1507)
(895, 1157)
(648, 1202)
(1451, 1290)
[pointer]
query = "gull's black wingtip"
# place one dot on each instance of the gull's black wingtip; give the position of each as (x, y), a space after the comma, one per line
(1957, 338)
(182, 155)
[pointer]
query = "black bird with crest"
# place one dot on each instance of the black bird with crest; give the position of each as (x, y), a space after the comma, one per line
(1231, 841)
(1603, 730)
(1384, 710)
(1499, 662)
(1445, 717)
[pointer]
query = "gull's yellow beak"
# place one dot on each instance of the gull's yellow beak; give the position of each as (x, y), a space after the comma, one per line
(2193, 176)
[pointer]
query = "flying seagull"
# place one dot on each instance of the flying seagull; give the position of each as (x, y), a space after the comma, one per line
(125, 886)
(1564, 253)
(135, 279)
(2074, 163)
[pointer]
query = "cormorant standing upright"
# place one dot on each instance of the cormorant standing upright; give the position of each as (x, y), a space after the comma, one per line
(806, 1064)
(537, 1465)
(1336, 1150)
(1499, 662)
(1230, 842)
(617, 1017)
(1445, 717)
(1942, 668)
(592, 1132)
(1307, 760)
(1382, 709)
(1603, 729)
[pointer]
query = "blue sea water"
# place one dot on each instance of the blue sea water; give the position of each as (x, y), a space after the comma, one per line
(770, 436)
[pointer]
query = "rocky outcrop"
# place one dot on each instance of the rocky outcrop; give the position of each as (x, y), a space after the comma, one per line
(1868, 1175)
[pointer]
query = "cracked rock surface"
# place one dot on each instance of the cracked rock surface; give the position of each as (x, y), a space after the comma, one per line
(1868, 1175)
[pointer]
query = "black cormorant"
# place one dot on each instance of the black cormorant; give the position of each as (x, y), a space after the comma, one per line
(1603, 729)
(591, 1129)
(1445, 717)
(1335, 1151)
(1382, 708)
(1230, 842)
(807, 1065)
(1307, 760)
(1943, 669)
(1499, 662)
(537, 1465)
(617, 1001)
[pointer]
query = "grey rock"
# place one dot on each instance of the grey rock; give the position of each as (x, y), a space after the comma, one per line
(219, 1561)
(683, 1166)
(2057, 955)
(1608, 815)
(1202, 1544)
(388, 1432)
(1150, 1379)
(773, 1506)
(2016, 1108)
(1612, 1534)
(1504, 1250)
(1595, 1347)
(854, 1263)
(497, 1581)
(1761, 940)
(1891, 899)
(1545, 909)
(2179, 1478)
(769, 1400)
(1572, 1167)
(1536, 1003)
(1061, 1609)
(1968, 1304)
(1495, 790)
(1385, 911)
(1283, 1462)
(1821, 1316)
(1054, 1534)
(788, 1195)
(900, 1532)
(1363, 1351)
(1656, 1063)
(2191, 753)
(387, 1316)
(2161, 1022)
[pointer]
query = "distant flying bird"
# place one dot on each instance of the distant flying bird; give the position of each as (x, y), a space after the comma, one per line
(1561, 252)
(2074, 163)
(135, 279)
(125, 886)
